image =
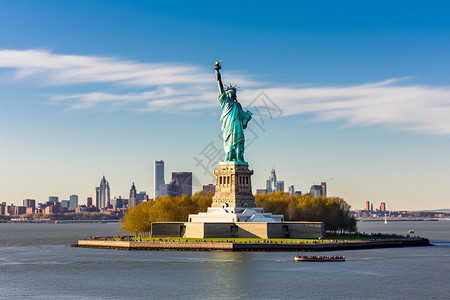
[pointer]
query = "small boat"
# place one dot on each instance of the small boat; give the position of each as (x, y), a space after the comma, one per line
(319, 258)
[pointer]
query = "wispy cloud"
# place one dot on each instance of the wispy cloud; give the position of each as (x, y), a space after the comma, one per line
(157, 87)
(417, 108)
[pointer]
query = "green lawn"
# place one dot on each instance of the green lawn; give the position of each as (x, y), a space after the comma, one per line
(251, 240)
(327, 239)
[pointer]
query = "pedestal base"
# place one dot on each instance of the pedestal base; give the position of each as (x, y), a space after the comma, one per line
(264, 230)
(233, 186)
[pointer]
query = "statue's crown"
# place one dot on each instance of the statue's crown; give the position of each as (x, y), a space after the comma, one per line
(232, 88)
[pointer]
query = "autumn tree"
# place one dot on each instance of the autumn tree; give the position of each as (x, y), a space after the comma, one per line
(333, 211)
(138, 220)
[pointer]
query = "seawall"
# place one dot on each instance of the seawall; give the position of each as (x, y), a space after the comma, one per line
(261, 246)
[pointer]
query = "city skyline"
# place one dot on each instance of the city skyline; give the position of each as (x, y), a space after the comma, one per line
(355, 92)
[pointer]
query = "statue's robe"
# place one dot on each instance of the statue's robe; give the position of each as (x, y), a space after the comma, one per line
(234, 120)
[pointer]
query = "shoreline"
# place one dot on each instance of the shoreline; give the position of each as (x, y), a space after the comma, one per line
(260, 246)
(399, 220)
(56, 221)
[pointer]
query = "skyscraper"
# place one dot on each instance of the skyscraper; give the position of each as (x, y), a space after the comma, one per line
(140, 197)
(102, 194)
(29, 203)
(132, 200)
(73, 201)
(97, 196)
(159, 179)
(53, 199)
(292, 190)
(319, 190)
(280, 186)
(324, 188)
(117, 202)
(210, 188)
(181, 184)
(272, 185)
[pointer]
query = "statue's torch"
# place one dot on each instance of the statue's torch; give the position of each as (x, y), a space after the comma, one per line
(217, 65)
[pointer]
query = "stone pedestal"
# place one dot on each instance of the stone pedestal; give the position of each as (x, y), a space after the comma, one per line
(234, 200)
(233, 186)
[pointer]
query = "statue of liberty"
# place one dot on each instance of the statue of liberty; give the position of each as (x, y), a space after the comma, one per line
(234, 120)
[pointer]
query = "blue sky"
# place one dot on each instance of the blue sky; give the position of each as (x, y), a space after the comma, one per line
(361, 92)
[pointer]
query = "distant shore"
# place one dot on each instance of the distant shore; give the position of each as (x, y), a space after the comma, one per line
(252, 246)
(58, 221)
(399, 220)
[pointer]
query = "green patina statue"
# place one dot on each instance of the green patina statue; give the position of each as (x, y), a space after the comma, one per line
(234, 120)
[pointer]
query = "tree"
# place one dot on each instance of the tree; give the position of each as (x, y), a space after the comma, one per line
(333, 211)
(138, 220)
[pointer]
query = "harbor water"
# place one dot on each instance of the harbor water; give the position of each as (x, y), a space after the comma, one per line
(37, 262)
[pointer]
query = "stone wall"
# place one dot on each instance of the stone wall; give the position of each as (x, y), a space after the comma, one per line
(167, 229)
(298, 230)
(220, 230)
(258, 246)
(293, 230)
(104, 244)
(275, 230)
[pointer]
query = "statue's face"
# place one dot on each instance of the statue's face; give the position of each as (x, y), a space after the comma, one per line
(232, 96)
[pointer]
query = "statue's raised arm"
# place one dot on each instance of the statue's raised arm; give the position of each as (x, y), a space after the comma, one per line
(217, 67)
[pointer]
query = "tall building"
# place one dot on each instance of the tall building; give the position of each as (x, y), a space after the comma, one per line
(209, 188)
(73, 201)
(315, 190)
(367, 205)
(89, 202)
(140, 197)
(161, 188)
(159, 179)
(165, 189)
(102, 194)
(383, 206)
(65, 203)
(280, 186)
(97, 196)
(53, 199)
(319, 190)
(132, 201)
(2, 208)
(29, 203)
(117, 202)
(272, 185)
(292, 190)
(181, 184)
(324, 189)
